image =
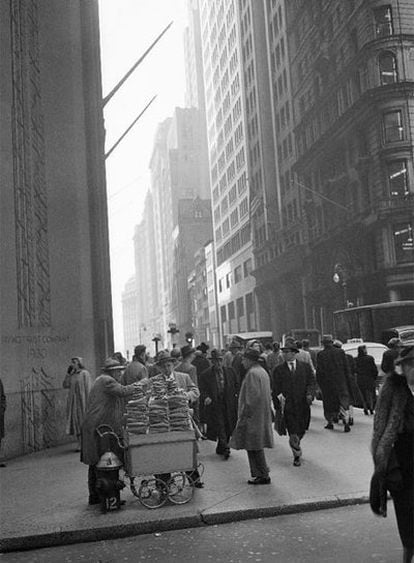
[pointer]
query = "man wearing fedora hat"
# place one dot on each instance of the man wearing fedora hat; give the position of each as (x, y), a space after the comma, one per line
(331, 375)
(254, 431)
(219, 390)
(293, 385)
(105, 406)
(166, 364)
(392, 448)
(137, 369)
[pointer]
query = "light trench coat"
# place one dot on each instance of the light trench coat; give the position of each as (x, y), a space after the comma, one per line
(254, 424)
(79, 385)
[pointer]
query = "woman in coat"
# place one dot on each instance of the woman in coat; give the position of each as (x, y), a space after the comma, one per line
(219, 390)
(105, 406)
(367, 372)
(393, 449)
(254, 430)
(79, 382)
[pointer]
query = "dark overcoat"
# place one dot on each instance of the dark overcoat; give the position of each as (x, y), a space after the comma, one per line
(105, 406)
(254, 423)
(2, 409)
(224, 410)
(366, 371)
(331, 375)
(353, 389)
(393, 435)
(298, 390)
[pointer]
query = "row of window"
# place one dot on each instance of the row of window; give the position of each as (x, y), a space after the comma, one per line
(230, 222)
(382, 21)
(285, 149)
(235, 312)
(237, 241)
(342, 100)
(277, 57)
(240, 272)
(383, 27)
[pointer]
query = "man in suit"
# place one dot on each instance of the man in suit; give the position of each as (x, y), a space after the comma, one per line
(293, 388)
(331, 375)
(219, 390)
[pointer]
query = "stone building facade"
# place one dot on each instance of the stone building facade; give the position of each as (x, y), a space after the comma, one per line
(352, 83)
(55, 297)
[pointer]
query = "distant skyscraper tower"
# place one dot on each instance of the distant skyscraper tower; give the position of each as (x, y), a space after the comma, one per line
(241, 150)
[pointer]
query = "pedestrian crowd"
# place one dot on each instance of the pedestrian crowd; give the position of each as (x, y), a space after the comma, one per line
(240, 395)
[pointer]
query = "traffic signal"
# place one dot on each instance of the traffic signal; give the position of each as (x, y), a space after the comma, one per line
(189, 337)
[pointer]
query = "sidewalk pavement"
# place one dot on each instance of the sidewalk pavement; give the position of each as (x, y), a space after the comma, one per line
(44, 495)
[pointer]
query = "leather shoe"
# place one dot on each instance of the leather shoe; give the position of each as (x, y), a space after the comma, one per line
(347, 428)
(199, 485)
(297, 462)
(329, 426)
(259, 481)
(226, 455)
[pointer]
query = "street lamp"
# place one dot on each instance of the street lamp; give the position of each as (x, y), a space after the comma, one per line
(341, 276)
(156, 339)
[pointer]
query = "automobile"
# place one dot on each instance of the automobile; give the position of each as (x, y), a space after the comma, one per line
(374, 349)
(404, 333)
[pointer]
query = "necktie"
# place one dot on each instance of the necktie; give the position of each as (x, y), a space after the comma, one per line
(292, 367)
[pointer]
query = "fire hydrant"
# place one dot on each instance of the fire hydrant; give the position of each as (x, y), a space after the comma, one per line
(108, 483)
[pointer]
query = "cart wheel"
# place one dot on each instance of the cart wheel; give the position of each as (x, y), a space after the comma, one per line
(180, 488)
(153, 493)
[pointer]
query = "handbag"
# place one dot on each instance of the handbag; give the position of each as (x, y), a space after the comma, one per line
(280, 423)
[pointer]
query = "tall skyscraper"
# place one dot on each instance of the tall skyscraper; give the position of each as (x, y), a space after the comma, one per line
(241, 151)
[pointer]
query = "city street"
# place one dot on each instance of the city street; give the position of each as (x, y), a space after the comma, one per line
(49, 507)
(342, 535)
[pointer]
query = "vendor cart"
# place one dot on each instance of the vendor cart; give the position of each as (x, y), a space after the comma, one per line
(161, 460)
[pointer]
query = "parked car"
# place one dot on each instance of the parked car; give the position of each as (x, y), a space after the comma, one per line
(374, 349)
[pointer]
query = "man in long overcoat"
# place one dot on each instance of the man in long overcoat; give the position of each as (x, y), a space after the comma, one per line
(254, 430)
(293, 385)
(105, 406)
(219, 389)
(331, 375)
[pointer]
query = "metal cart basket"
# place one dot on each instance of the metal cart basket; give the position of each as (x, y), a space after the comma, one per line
(161, 460)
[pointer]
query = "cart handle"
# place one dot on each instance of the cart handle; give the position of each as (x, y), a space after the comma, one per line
(109, 430)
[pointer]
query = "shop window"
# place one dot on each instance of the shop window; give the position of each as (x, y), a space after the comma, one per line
(398, 178)
(393, 129)
(388, 68)
(403, 242)
(383, 21)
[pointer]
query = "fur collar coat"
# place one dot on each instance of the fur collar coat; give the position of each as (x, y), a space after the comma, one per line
(388, 423)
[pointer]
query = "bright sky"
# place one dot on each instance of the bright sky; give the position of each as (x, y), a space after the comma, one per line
(128, 27)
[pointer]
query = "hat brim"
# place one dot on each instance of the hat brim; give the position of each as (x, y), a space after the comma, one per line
(166, 360)
(289, 349)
